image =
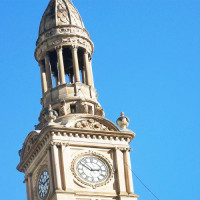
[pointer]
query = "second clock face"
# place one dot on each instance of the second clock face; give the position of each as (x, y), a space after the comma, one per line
(43, 184)
(92, 169)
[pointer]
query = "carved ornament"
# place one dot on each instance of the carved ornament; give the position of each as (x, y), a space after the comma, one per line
(64, 41)
(91, 124)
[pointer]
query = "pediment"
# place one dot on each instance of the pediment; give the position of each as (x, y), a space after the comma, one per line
(94, 123)
(28, 144)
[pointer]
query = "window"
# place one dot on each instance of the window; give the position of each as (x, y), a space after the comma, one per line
(73, 108)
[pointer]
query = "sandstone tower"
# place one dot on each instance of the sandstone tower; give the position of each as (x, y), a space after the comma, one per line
(74, 153)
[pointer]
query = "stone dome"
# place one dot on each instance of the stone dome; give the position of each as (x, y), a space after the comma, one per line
(62, 25)
(60, 13)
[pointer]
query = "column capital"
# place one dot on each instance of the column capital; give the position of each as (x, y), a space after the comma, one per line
(52, 144)
(86, 51)
(59, 47)
(90, 57)
(129, 149)
(74, 47)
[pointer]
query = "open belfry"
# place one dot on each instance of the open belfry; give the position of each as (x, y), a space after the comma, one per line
(74, 153)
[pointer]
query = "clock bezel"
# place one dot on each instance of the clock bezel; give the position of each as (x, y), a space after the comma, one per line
(99, 156)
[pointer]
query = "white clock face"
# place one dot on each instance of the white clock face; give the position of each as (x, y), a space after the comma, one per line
(92, 169)
(43, 184)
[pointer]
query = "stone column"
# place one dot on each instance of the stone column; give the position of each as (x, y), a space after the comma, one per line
(87, 68)
(56, 167)
(43, 77)
(48, 71)
(61, 70)
(91, 72)
(128, 172)
(75, 63)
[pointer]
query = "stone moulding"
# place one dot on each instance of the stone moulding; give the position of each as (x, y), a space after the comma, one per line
(64, 40)
(64, 30)
(51, 131)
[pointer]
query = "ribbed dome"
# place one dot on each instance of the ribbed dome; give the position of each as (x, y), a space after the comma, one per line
(60, 13)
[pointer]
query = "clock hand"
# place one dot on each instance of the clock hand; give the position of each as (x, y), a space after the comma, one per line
(96, 169)
(46, 181)
(85, 165)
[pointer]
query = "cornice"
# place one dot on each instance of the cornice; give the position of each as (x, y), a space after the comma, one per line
(47, 134)
(60, 37)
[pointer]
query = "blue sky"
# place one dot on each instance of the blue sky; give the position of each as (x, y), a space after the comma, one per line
(146, 63)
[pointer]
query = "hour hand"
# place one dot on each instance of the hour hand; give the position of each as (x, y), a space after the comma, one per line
(95, 170)
(85, 165)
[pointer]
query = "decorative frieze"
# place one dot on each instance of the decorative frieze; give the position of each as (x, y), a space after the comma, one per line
(91, 124)
(64, 40)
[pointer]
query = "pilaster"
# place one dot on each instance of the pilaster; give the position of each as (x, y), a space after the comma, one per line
(128, 172)
(120, 172)
(56, 167)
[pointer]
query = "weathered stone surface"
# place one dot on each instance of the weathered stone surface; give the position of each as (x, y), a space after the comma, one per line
(74, 153)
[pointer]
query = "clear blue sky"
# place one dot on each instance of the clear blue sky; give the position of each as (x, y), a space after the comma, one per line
(146, 63)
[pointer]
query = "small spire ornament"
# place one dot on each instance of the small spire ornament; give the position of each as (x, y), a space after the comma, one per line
(51, 114)
(123, 122)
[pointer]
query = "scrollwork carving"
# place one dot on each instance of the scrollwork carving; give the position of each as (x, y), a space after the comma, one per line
(91, 124)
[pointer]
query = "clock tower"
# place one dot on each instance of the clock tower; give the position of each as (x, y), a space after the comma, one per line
(74, 153)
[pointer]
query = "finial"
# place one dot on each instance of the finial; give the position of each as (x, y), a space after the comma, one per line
(123, 122)
(51, 114)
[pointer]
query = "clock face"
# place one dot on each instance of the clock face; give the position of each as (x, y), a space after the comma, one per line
(43, 184)
(92, 169)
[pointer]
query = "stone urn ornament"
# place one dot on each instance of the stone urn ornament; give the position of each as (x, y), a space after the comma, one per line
(51, 114)
(123, 122)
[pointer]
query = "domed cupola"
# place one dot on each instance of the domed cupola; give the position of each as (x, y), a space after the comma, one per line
(64, 53)
(60, 13)
(62, 20)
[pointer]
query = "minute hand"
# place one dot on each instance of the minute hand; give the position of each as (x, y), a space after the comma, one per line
(85, 165)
